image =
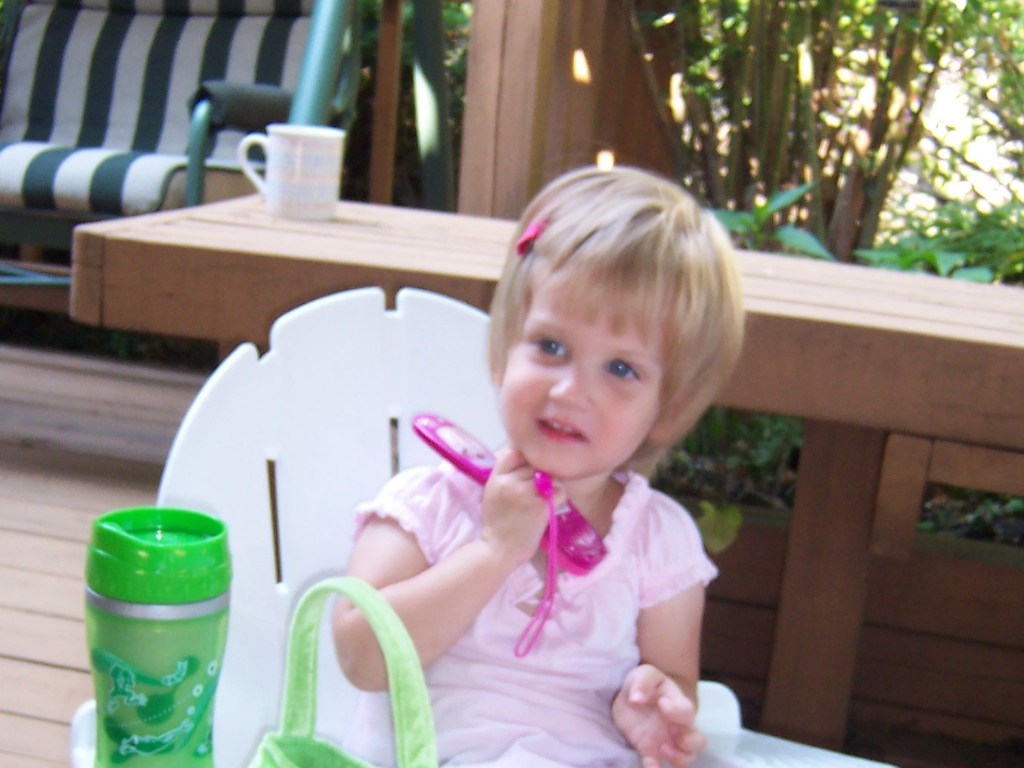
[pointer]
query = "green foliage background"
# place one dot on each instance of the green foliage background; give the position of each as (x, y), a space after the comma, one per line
(837, 94)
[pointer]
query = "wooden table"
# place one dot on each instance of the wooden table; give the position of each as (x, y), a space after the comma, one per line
(227, 270)
(884, 367)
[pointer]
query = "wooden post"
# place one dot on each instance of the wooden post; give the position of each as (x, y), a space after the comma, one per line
(85, 304)
(975, 466)
(900, 492)
(577, 77)
(810, 677)
(511, 56)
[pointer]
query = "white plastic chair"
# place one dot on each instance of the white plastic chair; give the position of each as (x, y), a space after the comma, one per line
(291, 442)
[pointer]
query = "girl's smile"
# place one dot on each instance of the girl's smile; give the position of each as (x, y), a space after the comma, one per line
(557, 431)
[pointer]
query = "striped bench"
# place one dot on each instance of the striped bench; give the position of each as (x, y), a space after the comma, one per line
(95, 107)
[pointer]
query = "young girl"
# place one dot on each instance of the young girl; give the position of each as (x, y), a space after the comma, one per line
(616, 319)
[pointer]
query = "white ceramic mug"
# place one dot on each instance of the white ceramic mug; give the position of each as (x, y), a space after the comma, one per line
(303, 170)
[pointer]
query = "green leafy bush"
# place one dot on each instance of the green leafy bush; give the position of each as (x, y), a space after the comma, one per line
(755, 229)
(974, 515)
(735, 457)
(959, 241)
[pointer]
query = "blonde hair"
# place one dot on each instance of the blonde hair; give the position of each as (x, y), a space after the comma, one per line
(637, 244)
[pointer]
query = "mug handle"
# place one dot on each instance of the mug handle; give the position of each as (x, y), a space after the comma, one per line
(242, 156)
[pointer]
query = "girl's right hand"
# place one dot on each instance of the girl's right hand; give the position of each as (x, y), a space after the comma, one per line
(514, 514)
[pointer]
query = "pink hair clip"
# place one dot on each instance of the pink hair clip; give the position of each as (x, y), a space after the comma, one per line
(532, 232)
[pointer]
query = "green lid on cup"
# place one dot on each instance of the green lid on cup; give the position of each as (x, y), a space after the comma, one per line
(158, 556)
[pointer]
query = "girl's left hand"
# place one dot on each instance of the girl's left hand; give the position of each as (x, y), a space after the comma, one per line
(657, 718)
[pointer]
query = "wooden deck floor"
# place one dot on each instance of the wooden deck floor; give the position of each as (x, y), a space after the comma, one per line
(48, 499)
(80, 437)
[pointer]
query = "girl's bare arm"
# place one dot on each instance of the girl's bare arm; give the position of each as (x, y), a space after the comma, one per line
(657, 705)
(668, 635)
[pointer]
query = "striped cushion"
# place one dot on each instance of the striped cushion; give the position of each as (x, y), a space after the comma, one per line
(95, 106)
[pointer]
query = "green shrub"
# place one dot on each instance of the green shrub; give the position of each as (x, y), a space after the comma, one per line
(959, 241)
(735, 457)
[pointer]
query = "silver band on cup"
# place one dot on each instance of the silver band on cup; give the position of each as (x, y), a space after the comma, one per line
(157, 612)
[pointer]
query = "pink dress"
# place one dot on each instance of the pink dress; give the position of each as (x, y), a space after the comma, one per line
(552, 708)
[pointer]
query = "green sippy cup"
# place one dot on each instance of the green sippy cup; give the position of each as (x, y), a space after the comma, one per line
(156, 619)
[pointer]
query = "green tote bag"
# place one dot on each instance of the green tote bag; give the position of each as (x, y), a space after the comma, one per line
(294, 745)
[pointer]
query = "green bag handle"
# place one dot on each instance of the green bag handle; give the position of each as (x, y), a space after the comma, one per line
(415, 744)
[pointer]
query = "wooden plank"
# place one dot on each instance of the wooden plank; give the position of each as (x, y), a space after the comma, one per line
(109, 389)
(970, 599)
(409, 242)
(942, 675)
(45, 298)
(385, 102)
(834, 372)
(41, 554)
(900, 682)
(62, 489)
(823, 587)
(480, 116)
(900, 493)
(925, 721)
(43, 639)
(41, 691)
(581, 144)
(563, 84)
(612, 112)
(621, 118)
(22, 761)
(750, 570)
(895, 292)
(948, 596)
(43, 593)
(924, 319)
(627, 116)
(578, 70)
(203, 280)
(72, 429)
(736, 640)
(33, 742)
(85, 302)
(217, 297)
(871, 298)
(527, 119)
(803, 288)
(945, 544)
(867, 300)
(520, 93)
(469, 249)
(527, 64)
(972, 466)
(45, 519)
(80, 403)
